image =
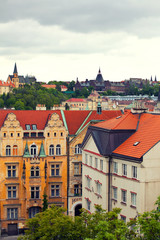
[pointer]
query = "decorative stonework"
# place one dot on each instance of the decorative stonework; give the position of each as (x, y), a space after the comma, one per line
(11, 121)
(55, 121)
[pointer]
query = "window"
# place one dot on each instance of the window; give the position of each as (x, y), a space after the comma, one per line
(28, 127)
(35, 172)
(99, 188)
(55, 134)
(90, 160)
(76, 168)
(51, 150)
(123, 218)
(88, 202)
(88, 182)
(86, 159)
(124, 196)
(55, 190)
(11, 134)
(134, 172)
(15, 150)
(8, 150)
(61, 134)
(12, 191)
(12, 213)
(18, 134)
(78, 190)
(133, 199)
(55, 169)
(124, 169)
(34, 192)
(33, 211)
(4, 135)
(115, 167)
(58, 149)
(34, 126)
(11, 171)
(48, 134)
(101, 164)
(78, 149)
(96, 162)
(33, 150)
(114, 193)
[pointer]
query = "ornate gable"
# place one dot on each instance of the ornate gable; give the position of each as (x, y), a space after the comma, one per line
(11, 121)
(55, 121)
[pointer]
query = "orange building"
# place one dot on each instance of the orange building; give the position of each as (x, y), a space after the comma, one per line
(39, 152)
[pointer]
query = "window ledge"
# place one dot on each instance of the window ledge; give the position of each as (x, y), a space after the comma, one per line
(113, 199)
(55, 197)
(12, 198)
(124, 203)
(55, 176)
(16, 178)
(133, 206)
(34, 177)
(88, 189)
(98, 195)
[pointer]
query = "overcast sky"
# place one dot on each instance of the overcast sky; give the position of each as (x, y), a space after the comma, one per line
(66, 39)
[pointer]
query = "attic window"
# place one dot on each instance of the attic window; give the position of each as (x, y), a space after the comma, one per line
(136, 143)
(34, 126)
(118, 117)
(28, 127)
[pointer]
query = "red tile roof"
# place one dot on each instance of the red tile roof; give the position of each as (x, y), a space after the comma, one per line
(49, 86)
(127, 121)
(76, 100)
(74, 119)
(146, 136)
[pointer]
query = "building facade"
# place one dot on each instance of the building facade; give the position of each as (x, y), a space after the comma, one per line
(40, 154)
(121, 164)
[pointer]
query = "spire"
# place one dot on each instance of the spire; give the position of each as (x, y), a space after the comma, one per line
(151, 78)
(26, 151)
(99, 108)
(42, 152)
(15, 69)
(99, 77)
(155, 79)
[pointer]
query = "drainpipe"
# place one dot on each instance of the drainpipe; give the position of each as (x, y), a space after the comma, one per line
(68, 167)
(109, 184)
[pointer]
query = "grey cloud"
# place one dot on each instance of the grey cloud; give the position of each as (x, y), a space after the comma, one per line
(85, 15)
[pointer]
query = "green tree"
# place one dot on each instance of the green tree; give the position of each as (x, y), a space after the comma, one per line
(1, 103)
(45, 202)
(19, 105)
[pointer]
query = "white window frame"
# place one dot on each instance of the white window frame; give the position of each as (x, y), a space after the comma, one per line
(133, 199)
(115, 191)
(124, 169)
(134, 172)
(101, 164)
(115, 167)
(124, 195)
(90, 160)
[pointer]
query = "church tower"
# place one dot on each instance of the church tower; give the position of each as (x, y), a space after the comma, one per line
(15, 73)
(99, 77)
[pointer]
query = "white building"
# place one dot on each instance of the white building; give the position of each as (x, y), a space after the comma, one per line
(121, 164)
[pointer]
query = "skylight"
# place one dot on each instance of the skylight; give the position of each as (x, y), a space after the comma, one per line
(118, 117)
(136, 143)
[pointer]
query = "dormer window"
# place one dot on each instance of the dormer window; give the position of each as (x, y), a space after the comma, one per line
(28, 127)
(34, 126)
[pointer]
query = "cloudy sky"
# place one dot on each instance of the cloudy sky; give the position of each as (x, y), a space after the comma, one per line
(66, 39)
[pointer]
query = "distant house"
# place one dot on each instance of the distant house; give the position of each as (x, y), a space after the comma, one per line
(49, 86)
(6, 87)
(18, 80)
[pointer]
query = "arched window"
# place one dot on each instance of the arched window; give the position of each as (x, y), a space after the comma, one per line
(15, 150)
(33, 150)
(8, 150)
(78, 149)
(51, 150)
(35, 172)
(58, 149)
